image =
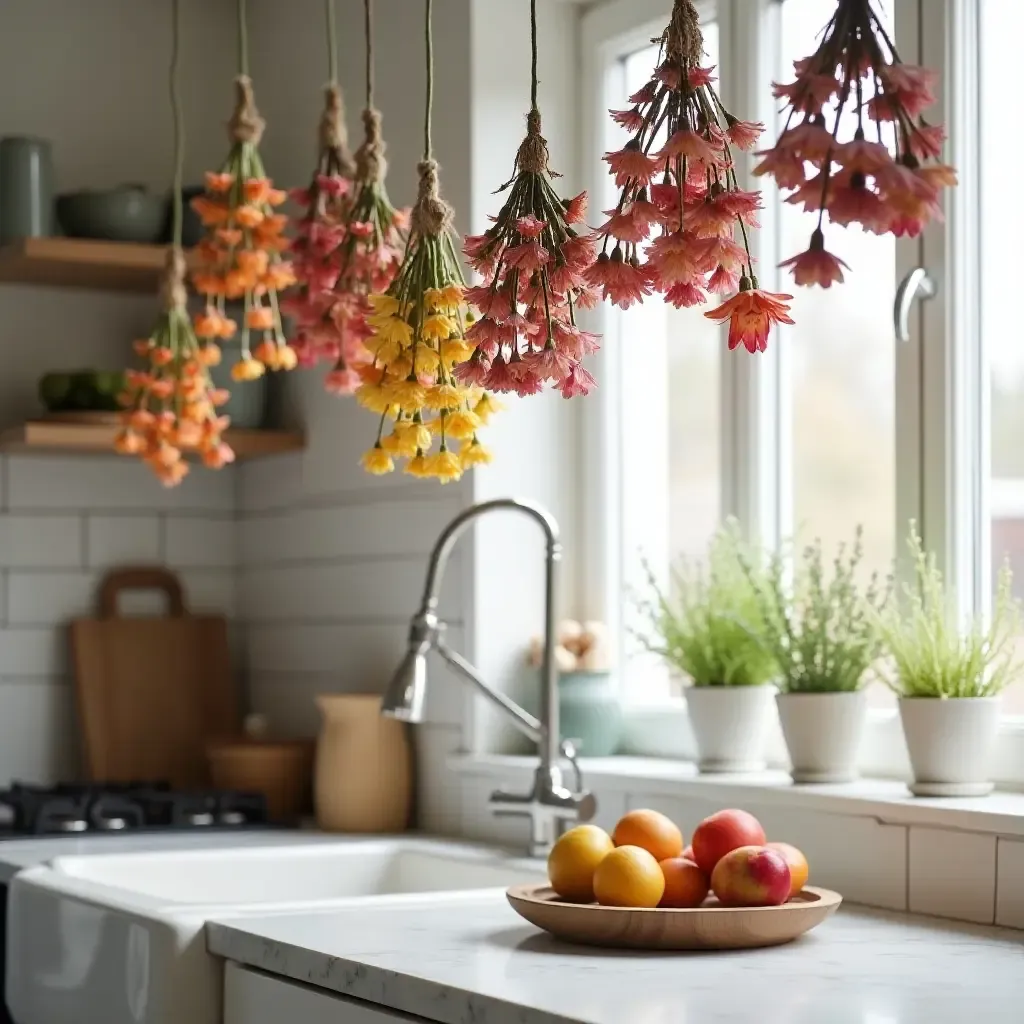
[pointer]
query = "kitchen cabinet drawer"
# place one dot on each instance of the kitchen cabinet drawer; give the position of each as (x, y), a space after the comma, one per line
(254, 998)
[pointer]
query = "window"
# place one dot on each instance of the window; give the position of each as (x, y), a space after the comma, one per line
(839, 424)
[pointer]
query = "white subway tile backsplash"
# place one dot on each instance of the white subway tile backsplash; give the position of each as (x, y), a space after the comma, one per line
(201, 542)
(49, 598)
(388, 589)
(41, 541)
(952, 874)
(35, 652)
(38, 732)
(1010, 883)
(106, 483)
(122, 540)
(391, 528)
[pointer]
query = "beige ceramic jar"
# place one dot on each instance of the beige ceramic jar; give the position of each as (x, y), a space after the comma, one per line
(363, 767)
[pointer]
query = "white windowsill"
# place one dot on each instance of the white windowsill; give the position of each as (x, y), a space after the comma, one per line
(885, 800)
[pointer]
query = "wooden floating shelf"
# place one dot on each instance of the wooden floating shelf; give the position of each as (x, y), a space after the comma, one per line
(98, 438)
(83, 263)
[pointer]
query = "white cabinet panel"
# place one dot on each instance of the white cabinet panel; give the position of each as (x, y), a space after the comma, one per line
(952, 874)
(1010, 884)
(254, 998)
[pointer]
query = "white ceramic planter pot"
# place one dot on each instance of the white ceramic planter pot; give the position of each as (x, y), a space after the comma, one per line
(950, 743)
(730, 725)
(823, 733)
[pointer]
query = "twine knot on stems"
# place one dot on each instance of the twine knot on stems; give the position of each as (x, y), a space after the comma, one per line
(245, 125)
(532, 157)
(684, 41)
(173, 291)
(370, 162)
(431, 215)
(333, 134)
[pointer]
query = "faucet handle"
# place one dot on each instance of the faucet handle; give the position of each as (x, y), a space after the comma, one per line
(569, 752)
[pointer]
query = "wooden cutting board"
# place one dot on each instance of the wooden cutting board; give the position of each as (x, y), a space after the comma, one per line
(151, 691)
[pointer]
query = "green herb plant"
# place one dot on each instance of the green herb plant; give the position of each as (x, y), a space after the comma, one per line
(707, 625)
(822, 628)
(931, 657)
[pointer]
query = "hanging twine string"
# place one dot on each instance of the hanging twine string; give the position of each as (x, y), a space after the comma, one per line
(684, 41)
(431, 215)
(243, 40)
(172, 291)
(533, 156)
(332, 44)
(333, 133)
(368, 27)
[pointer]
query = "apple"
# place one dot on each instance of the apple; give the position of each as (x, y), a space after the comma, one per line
(687, 854)
(751, 876)
(721, 833)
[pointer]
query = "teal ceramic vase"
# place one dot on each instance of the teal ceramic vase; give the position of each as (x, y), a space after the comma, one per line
(590, 712)
(26, 189)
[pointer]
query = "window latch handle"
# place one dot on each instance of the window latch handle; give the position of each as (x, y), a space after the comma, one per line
(918, 284)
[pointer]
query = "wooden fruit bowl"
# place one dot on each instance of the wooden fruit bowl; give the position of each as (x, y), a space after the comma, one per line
(710, 926)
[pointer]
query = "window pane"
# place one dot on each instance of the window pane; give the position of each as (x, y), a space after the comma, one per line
(842, 357)
(670, 434)
(1001, 26)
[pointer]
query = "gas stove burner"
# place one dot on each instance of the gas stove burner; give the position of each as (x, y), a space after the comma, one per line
(123, 807)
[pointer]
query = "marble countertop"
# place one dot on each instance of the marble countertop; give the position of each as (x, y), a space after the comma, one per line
(473, 961)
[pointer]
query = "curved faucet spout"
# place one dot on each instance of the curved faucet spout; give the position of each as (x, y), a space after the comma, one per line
(550, 805)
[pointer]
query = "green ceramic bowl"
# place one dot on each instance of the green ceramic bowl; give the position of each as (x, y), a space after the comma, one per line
(127, 213)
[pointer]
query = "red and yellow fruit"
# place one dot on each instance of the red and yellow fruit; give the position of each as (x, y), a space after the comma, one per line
(629, 877)
(574, 859)
(798, 869)
(721, 833)
(651, 831)
(685, 884)
(751, 876)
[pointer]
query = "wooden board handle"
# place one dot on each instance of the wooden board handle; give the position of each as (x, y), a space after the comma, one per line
(148, 577)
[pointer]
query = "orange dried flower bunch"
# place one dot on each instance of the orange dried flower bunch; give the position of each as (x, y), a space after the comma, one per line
(240, 257)
(171, 405)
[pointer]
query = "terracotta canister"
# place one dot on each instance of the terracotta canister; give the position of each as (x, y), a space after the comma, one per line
(363, 779)
(281, 770)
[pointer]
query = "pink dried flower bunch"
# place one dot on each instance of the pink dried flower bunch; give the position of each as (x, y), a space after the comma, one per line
(533, 261)
(349, 245)
(674, 229)
(887, 175)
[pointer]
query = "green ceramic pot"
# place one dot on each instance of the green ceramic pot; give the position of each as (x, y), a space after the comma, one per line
(247, 405)
(590, 712)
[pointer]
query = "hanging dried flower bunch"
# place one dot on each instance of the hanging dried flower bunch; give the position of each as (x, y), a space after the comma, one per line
(886, 175)
(419, 339)
(170, 406)
(678, 183)
(240, 257)
(533, 261)
(350, 239)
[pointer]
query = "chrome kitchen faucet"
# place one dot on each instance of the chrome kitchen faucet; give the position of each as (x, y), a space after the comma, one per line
(550, 805)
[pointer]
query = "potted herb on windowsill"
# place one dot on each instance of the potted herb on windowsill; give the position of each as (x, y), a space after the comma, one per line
(707, 626)
(948, 680)
(824, 634)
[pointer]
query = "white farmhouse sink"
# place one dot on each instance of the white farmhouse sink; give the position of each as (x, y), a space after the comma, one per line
(297, 875)
(119, 938)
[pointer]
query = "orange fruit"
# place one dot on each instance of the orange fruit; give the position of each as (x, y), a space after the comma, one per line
(629, 877)
(574, 859)
(799, 871)
(685, 884)
(651, 831)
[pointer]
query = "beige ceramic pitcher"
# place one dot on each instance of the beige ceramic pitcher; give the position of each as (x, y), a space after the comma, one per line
(363, 767)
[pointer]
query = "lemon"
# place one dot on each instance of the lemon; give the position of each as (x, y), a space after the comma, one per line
(574, 859)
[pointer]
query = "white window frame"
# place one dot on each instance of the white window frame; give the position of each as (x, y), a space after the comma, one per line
(940, 398)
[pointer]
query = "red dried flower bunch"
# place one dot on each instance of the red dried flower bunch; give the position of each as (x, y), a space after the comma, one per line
(350, 239)
(349, 246)
(534, 262)
(673, 230)
(886, 176)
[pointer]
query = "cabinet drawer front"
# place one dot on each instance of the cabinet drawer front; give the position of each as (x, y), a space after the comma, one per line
(254, 998)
